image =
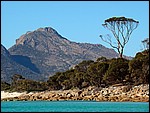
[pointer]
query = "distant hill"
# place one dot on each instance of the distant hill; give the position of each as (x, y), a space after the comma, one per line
(43, 52)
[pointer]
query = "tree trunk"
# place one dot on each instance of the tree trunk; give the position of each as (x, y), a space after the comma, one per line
(120, 55)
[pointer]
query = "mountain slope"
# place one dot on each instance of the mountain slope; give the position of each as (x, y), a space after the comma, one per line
(9, 67)
(45, 52)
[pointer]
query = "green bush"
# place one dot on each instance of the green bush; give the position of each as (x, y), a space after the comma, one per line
(118, 69)
(4, 86)
(96, 72)
(139, 68)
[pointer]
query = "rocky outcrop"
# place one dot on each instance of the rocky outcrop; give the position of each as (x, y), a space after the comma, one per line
(138, 93)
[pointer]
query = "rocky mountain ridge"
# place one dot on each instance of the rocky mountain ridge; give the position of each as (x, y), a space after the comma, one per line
(44, 52)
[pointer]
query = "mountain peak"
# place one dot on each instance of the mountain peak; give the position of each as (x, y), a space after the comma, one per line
(39, 34)
(47, 29)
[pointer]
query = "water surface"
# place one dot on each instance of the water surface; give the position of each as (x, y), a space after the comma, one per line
(73, 106)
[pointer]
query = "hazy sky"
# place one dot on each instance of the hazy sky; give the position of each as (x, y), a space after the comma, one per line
(78, 21)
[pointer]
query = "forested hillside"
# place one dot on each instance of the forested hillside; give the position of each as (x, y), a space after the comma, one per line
(101, 73)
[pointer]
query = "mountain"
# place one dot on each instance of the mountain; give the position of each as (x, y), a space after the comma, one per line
(44, 52)
(9, 67)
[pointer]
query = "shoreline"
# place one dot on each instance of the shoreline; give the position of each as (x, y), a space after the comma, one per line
(126, 93)
(5, 94)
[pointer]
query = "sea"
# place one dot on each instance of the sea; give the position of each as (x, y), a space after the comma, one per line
(73, 106)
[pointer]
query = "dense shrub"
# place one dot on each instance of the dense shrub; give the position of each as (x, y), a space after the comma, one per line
(82, 67)
(96, 72)
(4, 86)
(21, 84)
(118, 69)
(139, 68)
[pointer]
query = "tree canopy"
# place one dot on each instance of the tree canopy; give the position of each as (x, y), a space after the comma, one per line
(122, 29)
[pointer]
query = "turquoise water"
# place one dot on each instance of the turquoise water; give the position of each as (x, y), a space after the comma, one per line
(73, 106)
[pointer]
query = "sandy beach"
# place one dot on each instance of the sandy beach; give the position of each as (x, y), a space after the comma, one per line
(8, 94)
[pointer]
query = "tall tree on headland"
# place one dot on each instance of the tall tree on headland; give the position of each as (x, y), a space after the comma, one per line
(146, 43)
(121, 28)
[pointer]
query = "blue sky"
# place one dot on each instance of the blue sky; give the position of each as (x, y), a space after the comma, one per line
(78, 21)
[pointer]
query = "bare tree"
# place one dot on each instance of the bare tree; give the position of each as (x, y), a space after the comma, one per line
(146, 43)
(121, 28)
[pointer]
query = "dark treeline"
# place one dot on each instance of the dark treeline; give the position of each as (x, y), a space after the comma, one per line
(101, 73)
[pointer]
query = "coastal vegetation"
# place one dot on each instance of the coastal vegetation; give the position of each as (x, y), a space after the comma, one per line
(100, 73)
